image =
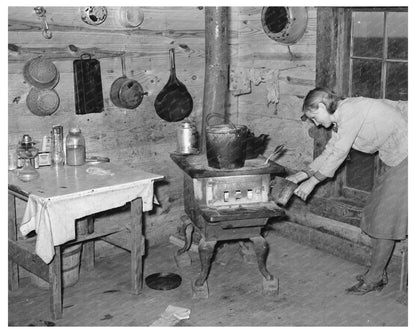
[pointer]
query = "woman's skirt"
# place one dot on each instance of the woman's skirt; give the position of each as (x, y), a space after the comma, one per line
(386, 212)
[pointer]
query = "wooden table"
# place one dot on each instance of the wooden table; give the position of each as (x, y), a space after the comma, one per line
(59, 197)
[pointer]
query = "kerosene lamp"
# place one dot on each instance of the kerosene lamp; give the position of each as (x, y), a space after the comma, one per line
(27, 151)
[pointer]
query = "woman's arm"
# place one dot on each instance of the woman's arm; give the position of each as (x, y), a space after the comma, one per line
(304, 189)
(335, 152)
(298, 177)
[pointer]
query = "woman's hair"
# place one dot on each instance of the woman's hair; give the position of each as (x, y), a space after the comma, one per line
(321, 95)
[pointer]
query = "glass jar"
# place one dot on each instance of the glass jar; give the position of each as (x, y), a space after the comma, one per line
(57, 146)
(75, 147)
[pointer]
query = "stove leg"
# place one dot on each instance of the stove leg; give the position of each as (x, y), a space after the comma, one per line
(182, 257)
(186, 231)
(206, 251)
(270, 284)
(261, 249)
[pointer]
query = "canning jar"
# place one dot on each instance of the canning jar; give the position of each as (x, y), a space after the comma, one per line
(75, 147)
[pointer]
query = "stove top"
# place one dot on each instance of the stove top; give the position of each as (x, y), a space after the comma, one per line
(196, 166)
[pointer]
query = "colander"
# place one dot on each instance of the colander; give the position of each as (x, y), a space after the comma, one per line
(41, 73)
(42, 102)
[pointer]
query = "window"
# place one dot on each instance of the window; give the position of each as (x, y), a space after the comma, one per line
(378, 68)
(379, 52)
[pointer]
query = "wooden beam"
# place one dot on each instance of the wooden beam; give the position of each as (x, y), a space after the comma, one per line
(19, 53)
(326, 62)
(137, 245)
(22, 255)
(13, 268)
(55, 284)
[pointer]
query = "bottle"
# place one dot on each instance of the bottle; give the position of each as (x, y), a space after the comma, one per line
(75, 147)
(12, 159)
(57, 146)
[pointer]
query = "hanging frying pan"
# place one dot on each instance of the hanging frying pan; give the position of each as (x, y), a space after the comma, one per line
(174, 102)
(126, 93)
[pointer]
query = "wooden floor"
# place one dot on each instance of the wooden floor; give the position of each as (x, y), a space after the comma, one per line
(311, 293)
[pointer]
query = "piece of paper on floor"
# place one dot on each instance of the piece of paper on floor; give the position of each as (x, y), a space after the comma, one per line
(172, 315)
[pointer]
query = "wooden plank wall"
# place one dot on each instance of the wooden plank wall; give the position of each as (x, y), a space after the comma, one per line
(281, 77)
(139, 137)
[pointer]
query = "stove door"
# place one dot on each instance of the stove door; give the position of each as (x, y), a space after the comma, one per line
(243, 212)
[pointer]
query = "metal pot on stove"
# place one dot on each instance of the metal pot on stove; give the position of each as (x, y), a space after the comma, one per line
(226, 144)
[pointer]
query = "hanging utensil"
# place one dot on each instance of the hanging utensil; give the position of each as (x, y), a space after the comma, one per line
(125, 92)
(285, 25)
(41, 13)
(87, 85)
(94, 15)
(131, 17)
(41, 73)
(42, 102)
(174, 102)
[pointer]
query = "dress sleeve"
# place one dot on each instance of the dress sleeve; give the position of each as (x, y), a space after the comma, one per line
(337, 148)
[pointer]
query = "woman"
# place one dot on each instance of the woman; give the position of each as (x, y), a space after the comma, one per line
(368, 125)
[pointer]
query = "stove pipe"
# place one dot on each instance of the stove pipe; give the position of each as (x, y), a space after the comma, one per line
(216, 67)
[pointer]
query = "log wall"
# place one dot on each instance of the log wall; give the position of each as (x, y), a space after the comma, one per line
(267, 84)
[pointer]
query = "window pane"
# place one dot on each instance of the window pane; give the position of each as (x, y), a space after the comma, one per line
(396, 87)
(397, 35)
(367, 34)
(366, 78)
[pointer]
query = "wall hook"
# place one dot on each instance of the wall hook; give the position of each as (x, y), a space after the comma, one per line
(41, 13)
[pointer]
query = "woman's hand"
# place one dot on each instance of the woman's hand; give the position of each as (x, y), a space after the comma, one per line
(306, 188)
(298, 177)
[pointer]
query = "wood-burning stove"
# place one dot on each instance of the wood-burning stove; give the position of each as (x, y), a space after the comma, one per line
(227, 204)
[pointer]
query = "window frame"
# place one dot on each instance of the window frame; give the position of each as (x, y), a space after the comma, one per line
(333, 68)
(378, 165)
(384, 58)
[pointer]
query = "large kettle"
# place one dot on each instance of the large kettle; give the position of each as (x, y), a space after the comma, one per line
(225, 144)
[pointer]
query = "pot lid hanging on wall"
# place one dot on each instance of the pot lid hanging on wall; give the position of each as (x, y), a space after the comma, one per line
(285, 25)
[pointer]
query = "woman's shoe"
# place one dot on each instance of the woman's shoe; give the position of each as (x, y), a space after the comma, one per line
(363, 287)
(360, 277)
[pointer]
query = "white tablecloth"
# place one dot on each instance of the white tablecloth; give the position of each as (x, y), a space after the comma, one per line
(53, 216)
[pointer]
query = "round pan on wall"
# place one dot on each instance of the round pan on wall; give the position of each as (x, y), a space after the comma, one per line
(131, 17)
(285, 25)
(41, 73)
(42, 102)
